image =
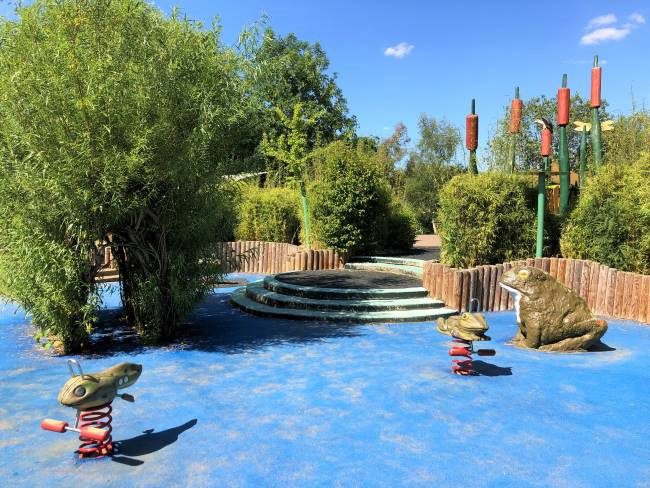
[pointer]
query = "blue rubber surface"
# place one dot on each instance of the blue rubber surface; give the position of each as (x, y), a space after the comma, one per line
(251, 401)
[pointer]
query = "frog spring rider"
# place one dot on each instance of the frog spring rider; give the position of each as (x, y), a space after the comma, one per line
(464, 329)
(92, 395)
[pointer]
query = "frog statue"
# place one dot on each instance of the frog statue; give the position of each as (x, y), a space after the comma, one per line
(85, 391)
(551, 317)
(466, 326)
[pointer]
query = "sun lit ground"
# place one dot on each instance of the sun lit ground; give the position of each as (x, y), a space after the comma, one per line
(264, 402)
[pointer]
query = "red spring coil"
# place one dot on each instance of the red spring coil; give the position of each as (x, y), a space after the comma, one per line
(596, 77)
(471, 132)
(99, 417)
(515, 115)
(563, 104)
(464, 348)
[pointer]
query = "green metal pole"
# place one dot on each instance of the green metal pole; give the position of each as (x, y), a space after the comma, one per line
(305, 214)
(541, 207)
(596, 147)
(564, 163)
(583, 155)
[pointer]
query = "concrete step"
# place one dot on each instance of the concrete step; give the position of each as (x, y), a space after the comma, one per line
(388, 260)
(392, 268)
(258, 293)
(272, 284)
(240, 298)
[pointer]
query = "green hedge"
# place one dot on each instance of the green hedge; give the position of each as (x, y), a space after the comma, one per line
(611, 222)
(486, 219)
(269, 214)
(396, 229)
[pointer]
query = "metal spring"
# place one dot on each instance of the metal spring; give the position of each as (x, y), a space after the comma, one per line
(464, 349)
(101, 418)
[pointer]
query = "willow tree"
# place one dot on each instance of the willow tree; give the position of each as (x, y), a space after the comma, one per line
(116, 124)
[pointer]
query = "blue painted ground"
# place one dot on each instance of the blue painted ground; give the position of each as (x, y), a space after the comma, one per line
(250, 401)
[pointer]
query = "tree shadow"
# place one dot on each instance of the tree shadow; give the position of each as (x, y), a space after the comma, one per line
(215, 326)
(481, 368)
(127, 450)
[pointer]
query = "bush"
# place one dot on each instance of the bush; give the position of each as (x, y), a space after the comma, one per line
(396, 229)
(486, 219)
(269, 214)
(348, 198)
(422, 187)
(116, 124)
(611, 222)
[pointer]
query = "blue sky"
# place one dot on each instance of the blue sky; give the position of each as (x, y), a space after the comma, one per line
(460, 50)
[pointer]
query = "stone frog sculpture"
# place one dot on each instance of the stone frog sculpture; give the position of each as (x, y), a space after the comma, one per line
(550, 316)
(466, 326)
(88, 390)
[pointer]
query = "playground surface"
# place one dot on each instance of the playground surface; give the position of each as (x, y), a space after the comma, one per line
(251, 401)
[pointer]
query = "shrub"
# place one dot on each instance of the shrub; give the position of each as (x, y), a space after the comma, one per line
(269, 214)
(486, 219)
(348, 198)
(422, 187)
(396, 229)
(611, 222)
(116, 124)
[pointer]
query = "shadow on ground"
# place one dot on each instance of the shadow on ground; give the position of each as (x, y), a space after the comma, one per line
(149, 442)
(215, 326)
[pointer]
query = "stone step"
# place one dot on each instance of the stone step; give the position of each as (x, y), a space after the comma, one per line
(419, 263)
(272, 284)
(258, 293)
(240, 298)
(392, 268)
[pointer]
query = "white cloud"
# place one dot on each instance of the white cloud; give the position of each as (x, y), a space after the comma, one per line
(599, 33)
(637, 18)
(605, 34)
(399, 51)
(601, 20)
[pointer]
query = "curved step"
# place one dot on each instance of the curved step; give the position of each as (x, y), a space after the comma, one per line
(393, 268)
(258, 293)
(240, 299)
(270, 283)
(388, 260)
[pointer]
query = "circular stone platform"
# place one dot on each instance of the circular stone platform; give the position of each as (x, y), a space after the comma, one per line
(343, 278)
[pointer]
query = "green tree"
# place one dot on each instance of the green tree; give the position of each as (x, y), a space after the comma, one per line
(527, 144)
(440, 143)
(430, 166)
(283, 71)
(116, 124)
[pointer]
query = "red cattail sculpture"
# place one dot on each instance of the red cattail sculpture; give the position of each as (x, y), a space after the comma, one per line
(471, 138)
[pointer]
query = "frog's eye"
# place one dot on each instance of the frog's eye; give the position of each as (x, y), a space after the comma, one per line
(523, 274)
(79, 391)
(123, 380)
(465, 315)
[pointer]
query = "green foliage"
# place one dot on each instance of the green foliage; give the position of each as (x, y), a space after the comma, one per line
(611, 222)
(286, 71)
(486, 219)
(629, 138)
(395, 230)
(527, 144)
(116, 124)
(422, 186)
(349, 196)
(439, 143)
(269, 214)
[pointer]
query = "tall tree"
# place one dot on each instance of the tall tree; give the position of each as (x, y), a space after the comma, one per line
(527, 141)
(282, 72)
(433, 162)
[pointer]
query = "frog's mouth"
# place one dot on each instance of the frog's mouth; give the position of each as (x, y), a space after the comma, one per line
(516, 295)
